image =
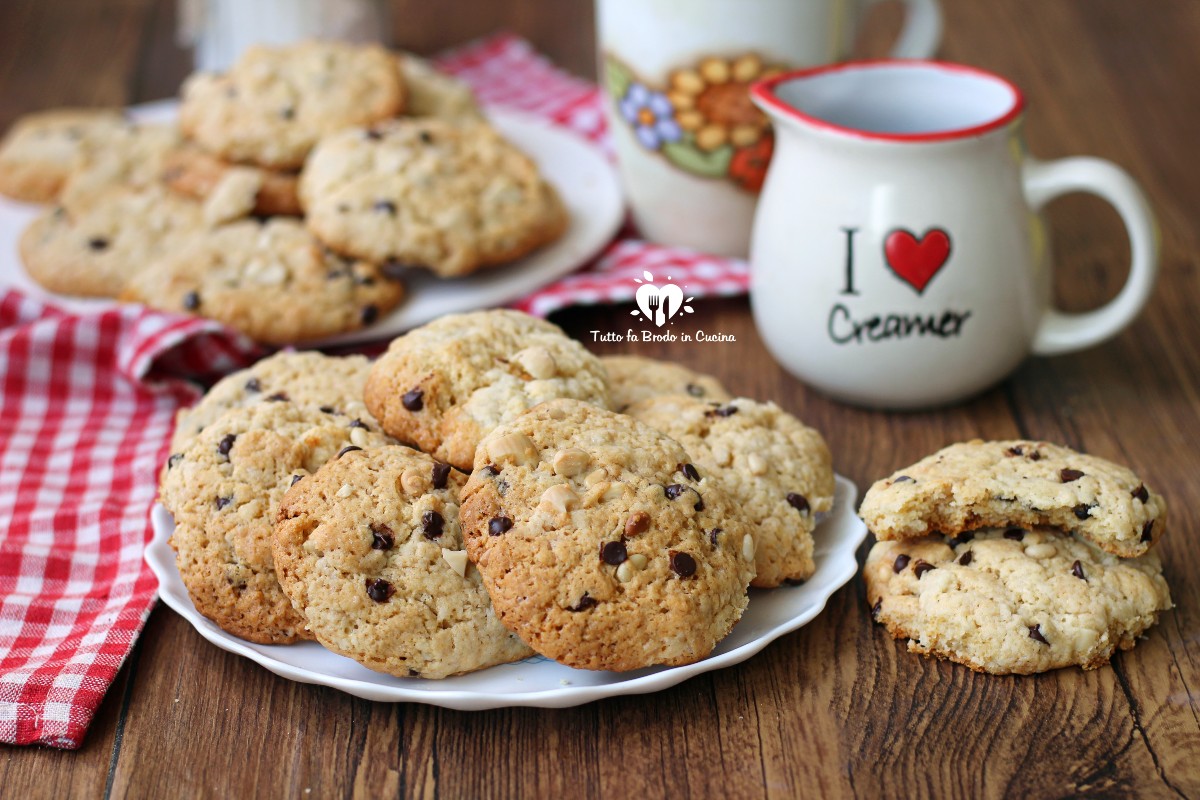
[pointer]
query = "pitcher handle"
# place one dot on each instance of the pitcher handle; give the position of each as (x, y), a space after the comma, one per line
(922, 31)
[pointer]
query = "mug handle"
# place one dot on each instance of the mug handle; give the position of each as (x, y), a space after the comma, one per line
(922, 31)
(1044, 180)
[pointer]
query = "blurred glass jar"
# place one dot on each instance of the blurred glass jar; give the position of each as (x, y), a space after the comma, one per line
(220, 30)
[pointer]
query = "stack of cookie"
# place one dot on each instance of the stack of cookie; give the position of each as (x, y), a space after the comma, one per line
(1015, 556)
(295, 192)
(471, 498)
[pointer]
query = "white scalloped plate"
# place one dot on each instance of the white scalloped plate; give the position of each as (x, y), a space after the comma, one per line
(538, 681)
(584, 178)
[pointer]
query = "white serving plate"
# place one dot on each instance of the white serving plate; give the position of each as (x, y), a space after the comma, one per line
(582, 175)
(538, 681)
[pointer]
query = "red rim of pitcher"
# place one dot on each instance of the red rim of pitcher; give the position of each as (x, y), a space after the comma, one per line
(763, 91)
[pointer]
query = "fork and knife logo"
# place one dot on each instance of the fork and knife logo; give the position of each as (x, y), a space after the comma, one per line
(659, 303)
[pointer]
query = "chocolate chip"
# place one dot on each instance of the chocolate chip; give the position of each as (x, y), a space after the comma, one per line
(226, 444)
(224, 501)
(1068, 475)
(1148, 531)
(682, 564)
(379, 590)
(97, 243)
(797, 501)
(296, 479)
(875, 609)
(372, 134)
(722, 411)
(962, 538)
(191, 301)
(287, 112)
(382, 537)
(1016, 534)
(425, 137)
(279, 397)
(174, 459)
(921, 567)
(1035, 456)
(699, 504)
(440, 473)
(350, 448)
(392, 270)
(412, 673)
(613, 553)
(413, 399)
(900, 563)
(902, 479)
(253, 385)
(329, 409)
(584, 603)
(1077, 571)
(965, 558)
(690, 472)
(694, 390)
(385, 207)
(358, 423)
(490, 471)
(1140, 493)
(1035, 633)
(499, 525)
(432, 524)
(369, 314)
(1015, 451)
(712, 536)
(638, 522)
(674, 490)
(1082, 511)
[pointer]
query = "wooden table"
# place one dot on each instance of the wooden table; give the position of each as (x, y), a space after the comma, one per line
(837, 708)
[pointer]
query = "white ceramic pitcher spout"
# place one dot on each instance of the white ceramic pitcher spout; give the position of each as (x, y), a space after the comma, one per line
(898, 258)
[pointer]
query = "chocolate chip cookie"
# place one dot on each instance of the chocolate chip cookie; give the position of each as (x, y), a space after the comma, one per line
(601, 544)
(130, 155)
(978, 484)
(224, 491)
(370, 552)
(427, 193)
(271, 280)
(1014, 600)
(444, 386)
(274, 104)
(41, 150)
(776, 470)
(633, 378)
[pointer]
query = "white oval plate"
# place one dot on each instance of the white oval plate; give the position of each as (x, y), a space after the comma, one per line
(584, 178)
(538, 681)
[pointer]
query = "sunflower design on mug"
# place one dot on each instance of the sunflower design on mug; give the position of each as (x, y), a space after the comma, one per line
(702, 120)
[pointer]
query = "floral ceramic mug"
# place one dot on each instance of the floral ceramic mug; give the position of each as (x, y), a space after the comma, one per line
(692, 148)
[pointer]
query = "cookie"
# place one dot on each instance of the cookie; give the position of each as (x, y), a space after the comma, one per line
(600, 544)
(633, 378)
(426, 193)
(979, 484)
(444, 386)
(1014, 601)
(274, 104)
(776, 470)
(200, 175)
(432, 93)
(94, 249)
(369, 550)
(130, 156)
(271, 280)
(41, 150)
(307, 378)
(224, 491)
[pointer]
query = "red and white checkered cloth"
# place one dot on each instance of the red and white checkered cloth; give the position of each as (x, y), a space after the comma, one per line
(86, 409)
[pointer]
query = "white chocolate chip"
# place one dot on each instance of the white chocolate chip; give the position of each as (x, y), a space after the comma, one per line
(359, 436)
(345, 491)
(515, 447)
(757, 464)
(748, 547)
(596, 476)
(560, 497)
(638, 560)
(413, 481)
(570, 462)
(538, 362)
(625, 571)
(1041, 550)
(457, 559)
(722, 455)
(615, 491)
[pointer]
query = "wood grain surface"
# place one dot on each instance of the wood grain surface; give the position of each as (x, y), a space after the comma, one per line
(837, 708)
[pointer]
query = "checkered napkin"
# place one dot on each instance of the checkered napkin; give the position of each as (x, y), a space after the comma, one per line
(86, 408)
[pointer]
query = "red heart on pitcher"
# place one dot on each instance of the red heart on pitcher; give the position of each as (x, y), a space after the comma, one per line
(915, 260)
